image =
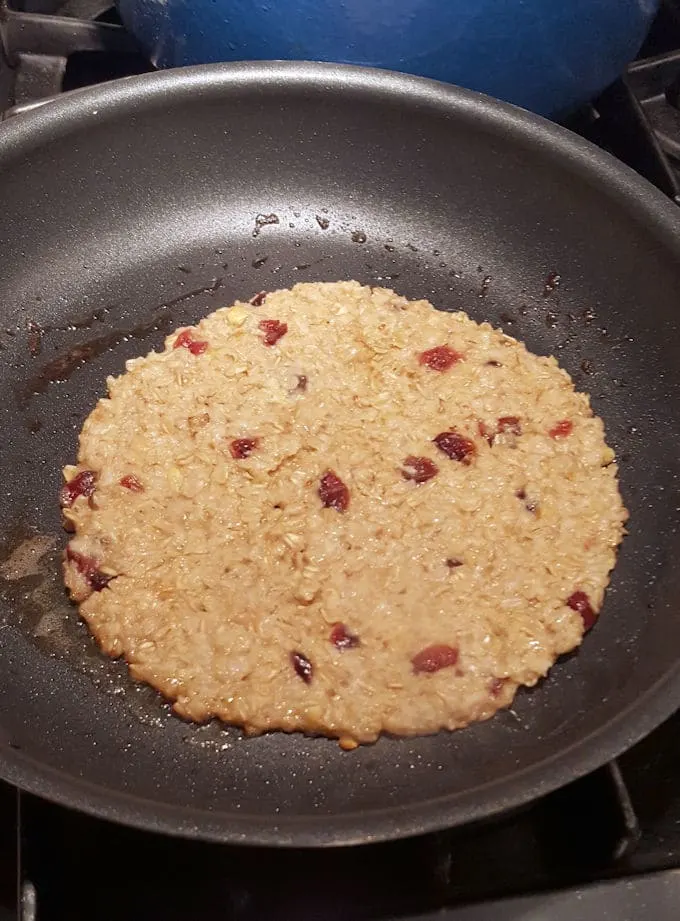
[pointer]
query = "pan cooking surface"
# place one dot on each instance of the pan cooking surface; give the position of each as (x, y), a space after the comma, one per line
(145, 210)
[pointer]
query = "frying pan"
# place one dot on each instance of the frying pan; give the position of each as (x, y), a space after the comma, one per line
(138, 206)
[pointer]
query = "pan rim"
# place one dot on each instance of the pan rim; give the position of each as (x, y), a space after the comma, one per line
(71, 112)
(74, 109)
(351, 829)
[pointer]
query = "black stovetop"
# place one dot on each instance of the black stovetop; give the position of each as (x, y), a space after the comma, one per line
(606, 847)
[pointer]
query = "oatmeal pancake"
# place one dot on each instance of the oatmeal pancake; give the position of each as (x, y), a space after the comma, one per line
(334, 510)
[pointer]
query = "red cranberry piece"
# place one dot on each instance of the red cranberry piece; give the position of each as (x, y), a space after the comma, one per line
(486, 432)
(456, 446)
(333, 492)
(258, 299)
(496, 685)
(343, 638)
(440, 358)
(509, 424)
(580, 603)
(273, 330)
(303, 667)
(435, 657)
(562, 429)
(97, 579)
(529, 504)
(88, 568)
(418, 469)
(82, 484)
(131, 482)
(186, 340)
(243, 447)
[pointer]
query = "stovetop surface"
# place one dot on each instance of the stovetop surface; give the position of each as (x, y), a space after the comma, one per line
(616, 823)
(606, 847)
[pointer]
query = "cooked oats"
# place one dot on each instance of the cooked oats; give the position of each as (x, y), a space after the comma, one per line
(337, 511)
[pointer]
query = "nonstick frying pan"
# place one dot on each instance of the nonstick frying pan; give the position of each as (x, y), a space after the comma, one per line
(140, 205)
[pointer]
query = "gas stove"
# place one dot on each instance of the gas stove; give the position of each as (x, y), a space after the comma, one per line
(605, 847)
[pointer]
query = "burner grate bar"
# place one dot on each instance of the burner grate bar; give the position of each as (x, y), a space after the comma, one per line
(630, 826)
(60, 37)
(38, 76)
(84, 9)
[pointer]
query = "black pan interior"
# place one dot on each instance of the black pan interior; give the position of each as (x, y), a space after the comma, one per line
(132, 209)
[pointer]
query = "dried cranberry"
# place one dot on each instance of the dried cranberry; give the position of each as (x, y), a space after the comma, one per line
(440, 358)
(562, 429)
(88, 568)
(486, 432)
(418, 469)
(456, 446)
(509, 424)
(258, 299)
(303, 667)
(580, 602)
(186, 340)
(433, 658)
(529, 504)
(243, 447)
(343, 638)
(273, 330)
(505, 425)
(97, 579)
(131, 482)
(496, 685)
(82, 484)
(333, 492)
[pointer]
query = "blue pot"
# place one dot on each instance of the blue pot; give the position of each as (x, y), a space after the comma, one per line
(545, 55)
